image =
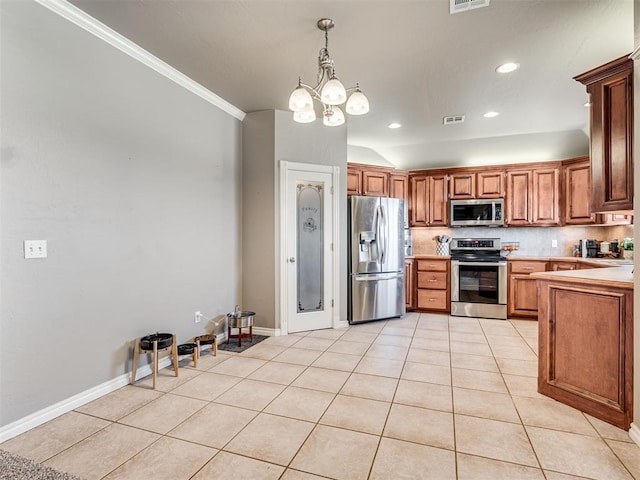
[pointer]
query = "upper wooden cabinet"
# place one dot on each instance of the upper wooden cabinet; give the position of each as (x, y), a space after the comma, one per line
(375, 183)
(545, 198)
(428, 200)
(399, 186)
(354, 181)
(533, 196)
(474, 184)
(490, 184)
(462, 185)
(610, 87)
(577, 193)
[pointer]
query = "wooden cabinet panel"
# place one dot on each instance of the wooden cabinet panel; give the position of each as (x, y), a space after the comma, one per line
(563, 266)
(433, 280)
(523, 297)
(433, 300)
(375, 184)
(527, 266)
(419, 195)
(518, 198)
(428, 200)
(438, 202)
(462, 185)
(398, 186)
(409, 284)
(433, 265)
(490, 184)
(522, 294)
(577, 194)
(545, 198)
(354, 181)
(586, 349)
(610, 87)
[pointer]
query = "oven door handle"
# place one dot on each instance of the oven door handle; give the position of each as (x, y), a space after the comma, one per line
(479, 264)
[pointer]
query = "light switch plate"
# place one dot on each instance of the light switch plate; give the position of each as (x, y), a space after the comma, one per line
(35, 249)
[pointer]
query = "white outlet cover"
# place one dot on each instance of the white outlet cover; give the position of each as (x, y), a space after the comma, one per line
(35, 249)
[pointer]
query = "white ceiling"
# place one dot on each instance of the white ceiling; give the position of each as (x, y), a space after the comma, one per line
(414, 61)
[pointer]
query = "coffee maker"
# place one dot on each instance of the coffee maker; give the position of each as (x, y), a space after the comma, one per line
(588, 248)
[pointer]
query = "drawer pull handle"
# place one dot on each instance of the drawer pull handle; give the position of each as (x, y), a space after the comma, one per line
(527, 268)
(432, 299)
(432, 280)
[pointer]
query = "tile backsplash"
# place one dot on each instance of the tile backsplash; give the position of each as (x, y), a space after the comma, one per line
(534, 241)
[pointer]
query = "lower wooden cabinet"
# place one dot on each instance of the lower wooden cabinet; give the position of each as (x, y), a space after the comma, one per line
(409, 284)
(586, 348)
(522, 299)
(433, 284)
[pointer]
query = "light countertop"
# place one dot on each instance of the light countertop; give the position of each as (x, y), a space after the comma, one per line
(621, 277)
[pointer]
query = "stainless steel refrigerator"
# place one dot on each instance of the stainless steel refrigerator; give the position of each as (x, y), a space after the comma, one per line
(376, 258)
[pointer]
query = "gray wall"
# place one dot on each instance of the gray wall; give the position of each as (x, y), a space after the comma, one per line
(135, 184)
(269, 137)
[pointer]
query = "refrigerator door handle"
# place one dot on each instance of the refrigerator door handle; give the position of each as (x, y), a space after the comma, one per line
(375, 277)
(382, 226)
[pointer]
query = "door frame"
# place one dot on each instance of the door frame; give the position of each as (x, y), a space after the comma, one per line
(281, 310)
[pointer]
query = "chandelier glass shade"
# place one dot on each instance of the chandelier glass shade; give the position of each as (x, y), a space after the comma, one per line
(329, 91)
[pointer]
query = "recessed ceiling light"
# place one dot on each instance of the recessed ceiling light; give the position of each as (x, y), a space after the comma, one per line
(394, 125)
(491, 114)
(507, 67)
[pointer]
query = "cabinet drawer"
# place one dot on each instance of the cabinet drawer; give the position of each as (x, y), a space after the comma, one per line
(432, 299)
(433, 280)
(528, 266)
(433, 265)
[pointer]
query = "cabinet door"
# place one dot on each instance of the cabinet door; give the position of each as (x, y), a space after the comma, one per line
(518, 199)
(398, 186)
(523, 296)
(375, 184)
(462, 185)
(354, 181)
(490, 185)
(545, 199)
(409, 284)
(438, 201)
(577, 194)
(611, 138)
(419, 194)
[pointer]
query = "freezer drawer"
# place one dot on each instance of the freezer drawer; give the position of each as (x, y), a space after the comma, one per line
(376, 296)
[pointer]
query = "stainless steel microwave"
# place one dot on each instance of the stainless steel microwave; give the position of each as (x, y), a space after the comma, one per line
(478, 213)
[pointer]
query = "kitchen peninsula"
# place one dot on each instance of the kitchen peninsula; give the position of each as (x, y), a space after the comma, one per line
(586, 340)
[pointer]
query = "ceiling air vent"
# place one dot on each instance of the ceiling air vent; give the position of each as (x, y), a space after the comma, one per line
(457, 6)
(453, 119)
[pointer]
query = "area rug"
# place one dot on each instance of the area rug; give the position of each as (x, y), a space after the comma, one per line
(232, 346)
(14, 467)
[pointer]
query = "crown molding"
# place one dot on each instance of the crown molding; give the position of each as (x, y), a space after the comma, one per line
(636, 54)
(113, 38)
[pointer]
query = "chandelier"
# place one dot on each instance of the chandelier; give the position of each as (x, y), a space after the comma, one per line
(329, 91)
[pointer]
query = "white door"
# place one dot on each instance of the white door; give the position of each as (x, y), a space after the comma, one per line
(307, 256)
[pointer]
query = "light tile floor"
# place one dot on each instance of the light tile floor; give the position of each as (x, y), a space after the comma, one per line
(426, 396)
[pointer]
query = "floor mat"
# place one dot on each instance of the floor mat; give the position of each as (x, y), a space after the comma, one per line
(232, 346)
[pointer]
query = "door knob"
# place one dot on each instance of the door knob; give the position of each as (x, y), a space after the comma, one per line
(292, 259)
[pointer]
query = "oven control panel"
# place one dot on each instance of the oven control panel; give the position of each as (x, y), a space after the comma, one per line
(475, 244)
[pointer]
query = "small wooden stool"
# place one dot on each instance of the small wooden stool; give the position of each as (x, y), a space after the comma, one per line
(154, 343)
(189, 349)
(210, 339)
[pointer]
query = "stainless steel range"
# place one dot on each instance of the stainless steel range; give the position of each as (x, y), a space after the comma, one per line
(478, 278)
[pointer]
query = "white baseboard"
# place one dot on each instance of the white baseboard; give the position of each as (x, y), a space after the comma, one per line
(267, 332)
(49, 413)
(634, 433)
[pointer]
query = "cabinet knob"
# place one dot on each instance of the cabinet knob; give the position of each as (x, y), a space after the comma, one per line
(292, 259)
